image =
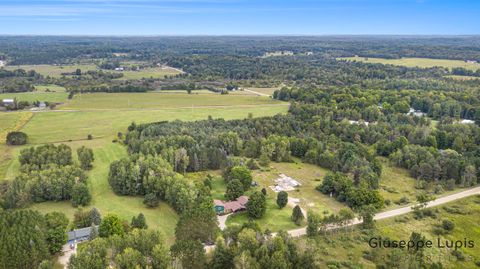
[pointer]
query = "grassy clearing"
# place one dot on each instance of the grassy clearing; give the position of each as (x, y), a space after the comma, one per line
(57, 97)
(160, 100)
(396, 183)
(54, 70)
(309, 175)
(276, 219)
(156, 72)
(417, 62)
(50, 88)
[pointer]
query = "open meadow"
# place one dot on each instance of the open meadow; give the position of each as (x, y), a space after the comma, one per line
(416, 62)
(162, 100)
(55, 71)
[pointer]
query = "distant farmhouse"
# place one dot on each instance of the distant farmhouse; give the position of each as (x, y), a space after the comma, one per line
(238, 205)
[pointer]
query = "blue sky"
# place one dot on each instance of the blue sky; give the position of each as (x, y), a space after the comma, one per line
(237, 17)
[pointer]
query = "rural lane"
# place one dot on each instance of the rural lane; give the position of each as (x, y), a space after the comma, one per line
(399, 211)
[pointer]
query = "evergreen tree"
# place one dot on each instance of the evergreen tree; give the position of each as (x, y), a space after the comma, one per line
(95, 216)
(282, 199)
(139, 222)
(297, 215)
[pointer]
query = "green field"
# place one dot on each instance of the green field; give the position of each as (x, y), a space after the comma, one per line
(154, 72)
(417, 62)
(53, 70)
(50, 88)
(57, 97)
(162, 100)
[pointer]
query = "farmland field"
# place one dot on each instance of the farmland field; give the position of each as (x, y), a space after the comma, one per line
(37, 96)
(161, 100)
(53, 70)
(417, 62)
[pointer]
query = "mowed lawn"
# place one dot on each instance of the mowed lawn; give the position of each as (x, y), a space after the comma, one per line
(53, 70)
(57, 97)
(417, 62)
(161, 100)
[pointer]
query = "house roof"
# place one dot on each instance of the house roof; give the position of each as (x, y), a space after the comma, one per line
(236, 205)
(79, 233)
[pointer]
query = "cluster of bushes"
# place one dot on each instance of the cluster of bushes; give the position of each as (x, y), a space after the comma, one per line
(49, 174)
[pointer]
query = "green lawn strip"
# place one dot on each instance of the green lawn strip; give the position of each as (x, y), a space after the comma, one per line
(160, 101)
(417, 62)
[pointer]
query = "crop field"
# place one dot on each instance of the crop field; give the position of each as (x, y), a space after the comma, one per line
(162, 100)
(417, 62)
(53, 70)
(57, 97)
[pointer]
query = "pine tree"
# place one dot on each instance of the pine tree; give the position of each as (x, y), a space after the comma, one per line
(297, 215)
